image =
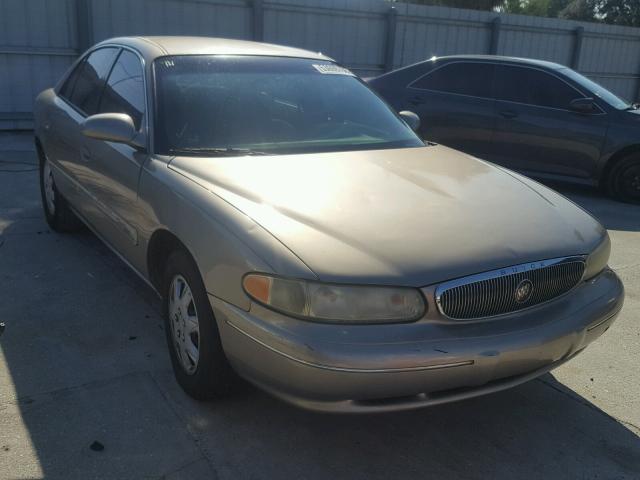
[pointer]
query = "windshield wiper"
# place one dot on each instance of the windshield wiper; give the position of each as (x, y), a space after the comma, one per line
(216, 152)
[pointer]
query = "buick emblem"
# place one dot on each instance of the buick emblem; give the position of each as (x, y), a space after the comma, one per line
(523, 291)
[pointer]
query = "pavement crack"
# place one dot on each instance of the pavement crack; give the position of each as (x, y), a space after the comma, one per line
(625, 267)
(193, 436)
(578, 399)
(24, 400)
(180, 468)
(628, 424)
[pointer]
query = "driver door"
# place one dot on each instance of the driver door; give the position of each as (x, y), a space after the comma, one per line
(116, 167)
(535, 129)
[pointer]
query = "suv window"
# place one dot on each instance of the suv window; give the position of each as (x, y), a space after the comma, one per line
(91, 75)
(463, 78)
(533, 87)
(124, 91)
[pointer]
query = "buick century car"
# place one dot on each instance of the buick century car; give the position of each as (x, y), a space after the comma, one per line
(303, 237)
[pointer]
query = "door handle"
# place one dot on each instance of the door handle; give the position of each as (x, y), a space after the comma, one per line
(415, 101)
(508, 114)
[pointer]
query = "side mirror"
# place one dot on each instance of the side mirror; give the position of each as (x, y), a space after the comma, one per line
(411, 119)
(112, 127)
(583, 105)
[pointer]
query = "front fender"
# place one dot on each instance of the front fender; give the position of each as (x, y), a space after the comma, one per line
(224, 242)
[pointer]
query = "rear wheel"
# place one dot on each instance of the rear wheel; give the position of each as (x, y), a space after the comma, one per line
(198, 361)
(57, 212)
(623, 182)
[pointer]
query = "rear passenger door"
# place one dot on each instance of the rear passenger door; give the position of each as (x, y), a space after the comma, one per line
(537, 131)
(455, 106)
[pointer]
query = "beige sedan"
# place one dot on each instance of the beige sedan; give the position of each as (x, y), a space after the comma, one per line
(302, 236)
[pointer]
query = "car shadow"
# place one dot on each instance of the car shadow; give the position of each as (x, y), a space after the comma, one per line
(86, 390)
(614, 215)
(538, 430)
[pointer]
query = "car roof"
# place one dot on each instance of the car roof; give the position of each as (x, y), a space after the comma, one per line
(153, 47)
(500, 59)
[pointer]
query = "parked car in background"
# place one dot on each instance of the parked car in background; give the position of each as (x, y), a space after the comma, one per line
(537, 117)
(301, 234)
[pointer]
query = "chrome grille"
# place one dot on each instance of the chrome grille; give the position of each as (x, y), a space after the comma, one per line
(505, 290)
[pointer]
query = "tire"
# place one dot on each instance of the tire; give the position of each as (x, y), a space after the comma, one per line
(623, 181)
(57, 212)
(207, 375)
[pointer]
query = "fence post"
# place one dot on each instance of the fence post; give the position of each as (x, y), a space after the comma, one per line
(258, 20)
(392, 21)
(496, 23)
(577, 47)
(84, 25)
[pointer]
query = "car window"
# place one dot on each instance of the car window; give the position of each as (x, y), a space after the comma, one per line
(596, 89)
(90, 79)
(124, 91)
(269, 104)
(464, 78)
(67, 86)
(533, 87)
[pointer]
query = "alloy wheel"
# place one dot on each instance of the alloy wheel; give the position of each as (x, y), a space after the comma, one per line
(630, 182)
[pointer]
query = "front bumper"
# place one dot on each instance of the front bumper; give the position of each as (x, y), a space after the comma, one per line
(371, 368)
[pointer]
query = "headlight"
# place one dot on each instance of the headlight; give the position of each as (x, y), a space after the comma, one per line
(335, 303)
(597, 260)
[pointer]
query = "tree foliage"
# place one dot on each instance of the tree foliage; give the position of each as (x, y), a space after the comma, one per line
(569, 9)
(620, 12)
(584, 10)
(471, 4)
(616, 12)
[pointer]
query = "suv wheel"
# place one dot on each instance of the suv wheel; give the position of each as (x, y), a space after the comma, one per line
(198, 361)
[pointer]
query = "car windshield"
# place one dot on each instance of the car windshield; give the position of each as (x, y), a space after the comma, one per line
(596, 89)
(225, 105)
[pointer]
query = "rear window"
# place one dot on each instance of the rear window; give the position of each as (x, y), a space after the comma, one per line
(462, 78)
(67, 86)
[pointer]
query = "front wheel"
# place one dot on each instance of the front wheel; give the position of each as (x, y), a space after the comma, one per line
(623, 182)
(198, 361)
(57, 212)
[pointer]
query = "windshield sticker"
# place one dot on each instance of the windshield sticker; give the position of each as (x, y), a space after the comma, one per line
(329, 69)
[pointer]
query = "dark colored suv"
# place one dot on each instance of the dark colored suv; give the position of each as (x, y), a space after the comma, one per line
(537, 117)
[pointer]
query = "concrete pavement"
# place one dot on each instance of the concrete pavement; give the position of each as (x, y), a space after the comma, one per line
(83, 363)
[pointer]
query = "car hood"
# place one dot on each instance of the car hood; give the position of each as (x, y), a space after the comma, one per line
(412, 216)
